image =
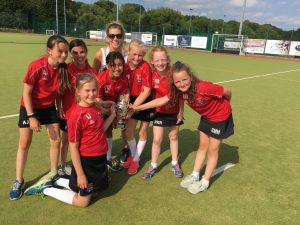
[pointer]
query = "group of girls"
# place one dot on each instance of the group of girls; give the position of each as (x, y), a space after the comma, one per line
(87, 103)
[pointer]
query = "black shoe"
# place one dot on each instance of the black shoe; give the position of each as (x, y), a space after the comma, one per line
(124, 155)
(114, 164)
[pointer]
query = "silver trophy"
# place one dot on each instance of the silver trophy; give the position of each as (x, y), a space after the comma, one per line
(122, 110)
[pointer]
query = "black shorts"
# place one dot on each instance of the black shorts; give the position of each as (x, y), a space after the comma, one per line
(165, 120)
(63, 125)
(145, 115)
(218, 130)
(95, 169)
(44, 116)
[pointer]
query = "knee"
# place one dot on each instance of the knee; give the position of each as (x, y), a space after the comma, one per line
(143, 134)
(55, 141)
(83, 203)
(173, 137)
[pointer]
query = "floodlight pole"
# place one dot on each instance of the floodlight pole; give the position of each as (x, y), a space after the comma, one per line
(56, 18)
(140, 18)
(65, 17)
(117, 10)
(190, 21)
(242, 17)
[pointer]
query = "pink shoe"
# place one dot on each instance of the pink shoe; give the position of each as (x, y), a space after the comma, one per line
(133, 168)
(128, 161)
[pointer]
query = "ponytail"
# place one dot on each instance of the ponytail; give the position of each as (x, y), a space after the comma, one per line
(64, 83)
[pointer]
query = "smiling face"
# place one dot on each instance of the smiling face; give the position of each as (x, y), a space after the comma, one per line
(87, 94)
(160, 61)
(135, 56)
(115, 38)
(58, 54)
(182, 81)
(116, 69)
(79, 55)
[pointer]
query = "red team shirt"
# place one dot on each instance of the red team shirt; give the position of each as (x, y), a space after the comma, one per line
(68, 98)
(85, 126)
(110, 89)
(161, 86)
(44, 80)
(209, 102)
(140, 76)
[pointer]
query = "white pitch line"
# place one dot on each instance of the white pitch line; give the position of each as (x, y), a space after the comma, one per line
(222, 168)
(4, 117)
(258, 76)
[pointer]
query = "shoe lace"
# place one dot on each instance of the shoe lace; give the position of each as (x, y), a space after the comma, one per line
(16, 185)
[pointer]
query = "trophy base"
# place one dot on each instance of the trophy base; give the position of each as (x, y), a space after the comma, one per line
(121, 126)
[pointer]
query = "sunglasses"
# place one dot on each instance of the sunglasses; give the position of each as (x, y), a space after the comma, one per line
(112, 36)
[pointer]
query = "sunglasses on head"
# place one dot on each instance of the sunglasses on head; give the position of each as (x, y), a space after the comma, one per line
(112, 36)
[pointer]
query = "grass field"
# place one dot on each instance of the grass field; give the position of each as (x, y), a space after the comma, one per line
(262, 187)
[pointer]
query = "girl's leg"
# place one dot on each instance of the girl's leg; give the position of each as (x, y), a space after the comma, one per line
(173, 137)
(64, 144)
(54, 138)
(24, 144)
(158, 133)
(130, 127)
(212, 157)
(108, 134)
(201, 152)
(143, 132)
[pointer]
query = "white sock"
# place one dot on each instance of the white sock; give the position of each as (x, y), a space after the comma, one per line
(132, 146)
(154, 165)
(63, 182)
(196, 175)
(174, 162)
(205, 182)
(109, 143)
(139, 149)
(60, 194)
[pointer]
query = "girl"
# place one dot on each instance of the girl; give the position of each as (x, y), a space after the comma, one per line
(45, 79)
(112, 85)
(78, 65)
(88, 149)
(115, 34)
(140, 90)
(166, 115)
(212, 102)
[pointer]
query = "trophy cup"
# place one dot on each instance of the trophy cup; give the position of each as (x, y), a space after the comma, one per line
(122, 110)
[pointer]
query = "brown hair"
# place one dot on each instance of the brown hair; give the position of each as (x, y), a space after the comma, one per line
(64, 83)
(115, 24)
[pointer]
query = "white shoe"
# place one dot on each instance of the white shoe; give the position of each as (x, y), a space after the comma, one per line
(188, 181)
(198, 186)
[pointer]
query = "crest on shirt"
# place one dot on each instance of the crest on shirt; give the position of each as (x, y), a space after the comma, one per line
(185, 96)
(138, 78)
(89, 117)
(156, 83)
(107, 88)
(45, 74)
(200, 101)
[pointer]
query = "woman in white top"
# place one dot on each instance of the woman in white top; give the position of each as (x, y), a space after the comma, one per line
(115, 34)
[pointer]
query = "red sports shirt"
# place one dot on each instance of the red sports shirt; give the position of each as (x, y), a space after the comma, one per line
(209, 101)
(85, 126)
(44, 80)
(68, 97)
(140, 76)
(110, 89)
(161, 86)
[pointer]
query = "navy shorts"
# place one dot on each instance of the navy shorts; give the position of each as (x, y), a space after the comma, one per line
(217, 130)
(165, 120)
(44, 116)
(95, 169)
(63, 125)
(145, 115)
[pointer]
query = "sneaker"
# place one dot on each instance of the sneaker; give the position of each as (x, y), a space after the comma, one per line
(113, 164)
(149, 173)
(127, 163)
(16, 190)
(177, 171)
(38, 189)
(64, 171)
(188, 181)
(125, 154)
(47, 177)
(133, 168)
(198, 186)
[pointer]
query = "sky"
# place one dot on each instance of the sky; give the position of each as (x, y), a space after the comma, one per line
(284, 14)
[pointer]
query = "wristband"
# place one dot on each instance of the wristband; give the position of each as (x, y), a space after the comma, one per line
(30, 115)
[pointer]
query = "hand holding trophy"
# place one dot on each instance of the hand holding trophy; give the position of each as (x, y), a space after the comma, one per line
(121, 113)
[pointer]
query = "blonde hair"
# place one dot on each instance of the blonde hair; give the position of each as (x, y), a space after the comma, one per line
(84, 78)
(137, 44)
(159, 49)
